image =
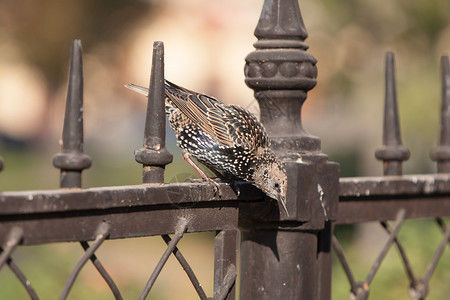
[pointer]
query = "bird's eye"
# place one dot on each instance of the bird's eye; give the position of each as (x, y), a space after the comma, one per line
(276, 185)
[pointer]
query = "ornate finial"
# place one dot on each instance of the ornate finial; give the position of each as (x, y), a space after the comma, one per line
(393, 153)
(154, 156)
(278, 26)
(281, 72)
(71, 160)
(442, 152)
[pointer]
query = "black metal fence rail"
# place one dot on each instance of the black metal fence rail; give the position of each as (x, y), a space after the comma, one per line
(95, 214)
(399, 197)
(282, 257)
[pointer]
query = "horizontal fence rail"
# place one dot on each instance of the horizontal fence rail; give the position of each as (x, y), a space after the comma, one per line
(131, 211)
(379, 198)
(398, 197)
(96, 214)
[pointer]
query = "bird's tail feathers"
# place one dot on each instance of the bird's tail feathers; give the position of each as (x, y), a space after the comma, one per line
(137, 88)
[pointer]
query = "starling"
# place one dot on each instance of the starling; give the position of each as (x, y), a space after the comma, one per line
(228, 139)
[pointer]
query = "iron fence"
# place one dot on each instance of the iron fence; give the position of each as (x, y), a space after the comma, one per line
(281, 257)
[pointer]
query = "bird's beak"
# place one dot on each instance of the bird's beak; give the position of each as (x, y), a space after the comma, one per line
(282, 202)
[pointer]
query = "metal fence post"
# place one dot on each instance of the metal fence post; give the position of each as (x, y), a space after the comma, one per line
(288, 257)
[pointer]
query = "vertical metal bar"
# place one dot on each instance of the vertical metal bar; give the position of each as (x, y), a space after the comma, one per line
(344, 263)
(229, 280)
(103, 232)
(225, 251)
(442, 152)
(324, 263)
(154, 155)
(392, 153)
(278, 265)
(181, 229)
(72, 161)
(281, 72)
(279, 254)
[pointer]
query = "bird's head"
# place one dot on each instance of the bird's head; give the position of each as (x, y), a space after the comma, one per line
(270, 176)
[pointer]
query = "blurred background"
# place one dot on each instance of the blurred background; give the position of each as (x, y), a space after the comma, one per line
(205, 46)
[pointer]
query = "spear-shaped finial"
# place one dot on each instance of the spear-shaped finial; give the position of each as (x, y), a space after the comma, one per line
(154, 155)
(281, 72)
(442, 152)
(392, 153)
(71, 160)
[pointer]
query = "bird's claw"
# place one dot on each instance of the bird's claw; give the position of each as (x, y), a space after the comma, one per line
(237, 189)
(213, 181)
(217, 188)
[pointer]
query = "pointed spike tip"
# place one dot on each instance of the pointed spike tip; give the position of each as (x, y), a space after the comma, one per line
(77, 43)
(390, 70)
(158, 52)
(391, 124)
(158, 44)
(77, 51)
(73, 121)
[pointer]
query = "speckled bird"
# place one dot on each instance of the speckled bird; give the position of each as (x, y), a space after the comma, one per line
(225, 138)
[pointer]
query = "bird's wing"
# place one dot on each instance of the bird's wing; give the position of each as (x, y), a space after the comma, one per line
(248, 131)
(230, 125)
(206, 112)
